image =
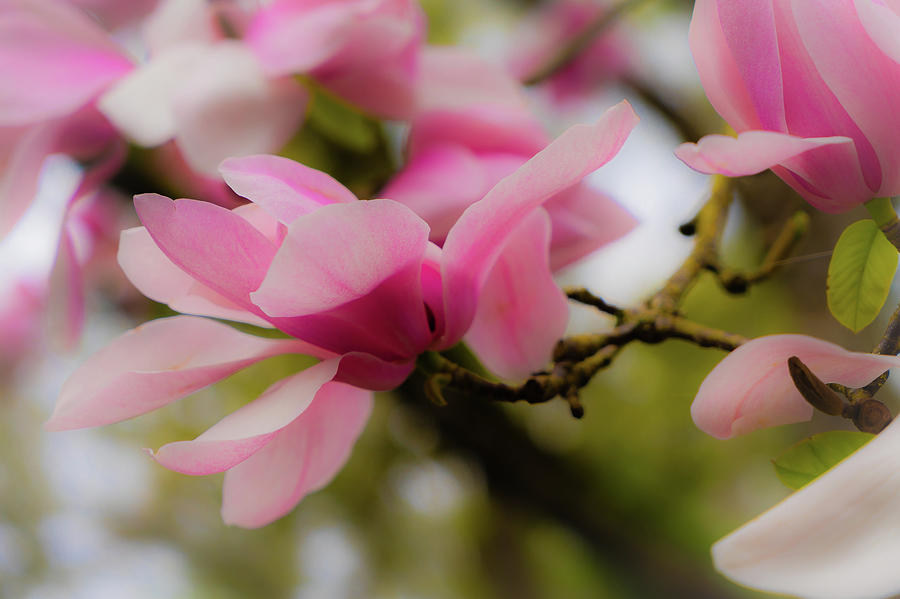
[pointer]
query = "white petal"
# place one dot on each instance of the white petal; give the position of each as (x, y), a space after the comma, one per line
(836, 538)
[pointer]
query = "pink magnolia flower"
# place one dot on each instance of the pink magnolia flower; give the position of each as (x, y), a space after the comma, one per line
(473, 128)
(810, 87)
(541, 36)
(752, 389)
(356, 284)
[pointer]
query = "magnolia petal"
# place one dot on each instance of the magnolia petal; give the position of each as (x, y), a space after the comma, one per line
(53, 60)
(348, 277)
(303, 457)
(856, 64)
(155, 276)
(844, 521)
(245, 431)
(752, 388)
(288, 39)
(881, 19)
(228, 107)
(371, 372)
(749, 30)
(452, 78)
(215, 246)
(439, 184)
(584, 219)
(20, 178)
(521, 312)
(140, 104)
(478, 128)
(285, 188)
(719, 72)
(749, 153)
(340, 253)
(65, 298)
(475, 241)
(155, 364)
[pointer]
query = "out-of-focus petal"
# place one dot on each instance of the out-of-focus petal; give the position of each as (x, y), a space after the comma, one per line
(438, 185)
(584, 219)
(835, 538)
(480, 129)
(749, 153)
(215, 246)
(140, 104)
(302, 458)
(752, 388)
(355, 267)
(478, 236)
(228, 107)
(452, 79)
(285, 188)
(65, 303)
(155, 276)
(53, 60)
(521, 312)
(288, 39)
(155, 364)
(245, 431)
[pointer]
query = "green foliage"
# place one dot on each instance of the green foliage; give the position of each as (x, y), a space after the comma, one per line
(812, 457)
(341, 122)
(860, 274)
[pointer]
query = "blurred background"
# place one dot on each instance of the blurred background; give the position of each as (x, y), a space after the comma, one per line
(472, 500)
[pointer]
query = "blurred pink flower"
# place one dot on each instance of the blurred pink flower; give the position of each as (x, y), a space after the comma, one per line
(752, 389)
(356, 284)
(812, 89)
(541, 37)
(365, 51)
(472, 128)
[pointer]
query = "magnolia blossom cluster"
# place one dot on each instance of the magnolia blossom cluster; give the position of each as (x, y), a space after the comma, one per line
(462, 247)
(460, 244)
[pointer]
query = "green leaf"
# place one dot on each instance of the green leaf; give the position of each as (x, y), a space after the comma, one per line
(341, 122)
(860, 274)
(811, 457)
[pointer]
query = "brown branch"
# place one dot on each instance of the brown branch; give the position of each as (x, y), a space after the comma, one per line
(791, 233)
(710, 223)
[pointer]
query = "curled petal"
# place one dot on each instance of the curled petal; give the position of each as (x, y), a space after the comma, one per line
(157, 363)
(843, 522)
(749, 153)
(752, 388)
(240, 434)
(285, 188)
(475, 241)
(302, 458)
